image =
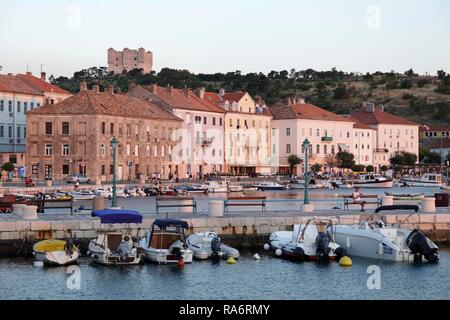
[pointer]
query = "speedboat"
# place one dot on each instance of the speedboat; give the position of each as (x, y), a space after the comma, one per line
(56, 252)
(372, 238)
(208, 244)
(407, 196)
(196, 188)
(426, 180)
(266, 186)
(115, 247)
(235, 188)
(83, 195)
(372, 180)
(216, 186)
(313, 240)
(166, 242)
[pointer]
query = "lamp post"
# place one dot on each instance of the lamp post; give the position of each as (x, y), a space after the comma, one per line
(306, 145)
(114, 194)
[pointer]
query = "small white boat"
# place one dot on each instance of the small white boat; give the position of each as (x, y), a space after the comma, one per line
(115, 248)
(207, 244)
(313, 240)
(104, 192)
(372, 238)
(300, 184)
(426, 180)
(216, 186)
(196, 188)
(56, 252)
(83, 195)
(268, 186)
(166, 242)
(372, 180)
(235, 188)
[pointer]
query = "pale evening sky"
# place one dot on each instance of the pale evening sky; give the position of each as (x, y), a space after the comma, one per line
(219, 36)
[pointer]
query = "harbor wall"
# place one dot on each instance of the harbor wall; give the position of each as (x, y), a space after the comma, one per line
(17, 235)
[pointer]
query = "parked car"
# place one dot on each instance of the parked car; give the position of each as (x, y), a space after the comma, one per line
(73, 178)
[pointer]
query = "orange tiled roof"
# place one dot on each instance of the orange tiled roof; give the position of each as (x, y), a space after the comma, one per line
(10, 83)
(40, 85)
(423, 128)
(234, 96)
(176, 98)
(358, 124)
(304, 111)
(380, 117)
(89, 103)
(213, 97)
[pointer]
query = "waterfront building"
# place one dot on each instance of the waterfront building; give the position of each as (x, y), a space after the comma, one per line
(200, 148)
(247, 133)
(393, 134)
(128, 59)
(74, 136)
(429, 133)
(327, 132)
(363, 137)
(18, 94)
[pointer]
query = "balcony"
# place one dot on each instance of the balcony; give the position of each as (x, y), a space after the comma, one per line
(380, 150)
(327, 139)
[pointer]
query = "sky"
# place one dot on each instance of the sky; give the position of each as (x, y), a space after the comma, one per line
(220, 36)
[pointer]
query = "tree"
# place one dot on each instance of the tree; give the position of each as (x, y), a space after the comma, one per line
(403, 159)
(8, 167)
(316, 168)
(358, 168)
(346, 160)
(293, 160)
(370, 169)
(384, 168)
(331, 161)
(340, 92)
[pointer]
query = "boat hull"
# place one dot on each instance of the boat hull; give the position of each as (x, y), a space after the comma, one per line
(163, 256)
(57, 258)
(375, 184)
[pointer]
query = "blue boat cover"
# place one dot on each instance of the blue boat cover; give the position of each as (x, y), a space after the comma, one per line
(164, 223)
(117, 216)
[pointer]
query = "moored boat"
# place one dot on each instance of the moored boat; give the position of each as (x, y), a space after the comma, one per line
(166, 242)
(268, 186)
(426, 180)
(115, 247)
(207, 244)
(372, 180)
(56, 252)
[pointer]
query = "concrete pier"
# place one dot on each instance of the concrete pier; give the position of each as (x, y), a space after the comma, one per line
(243, 229)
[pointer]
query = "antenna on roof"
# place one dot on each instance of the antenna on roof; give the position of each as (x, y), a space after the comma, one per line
(42, 66)
(27, 66)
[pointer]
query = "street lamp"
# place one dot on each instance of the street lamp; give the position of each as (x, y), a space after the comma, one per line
(306, 145)
(114, 144)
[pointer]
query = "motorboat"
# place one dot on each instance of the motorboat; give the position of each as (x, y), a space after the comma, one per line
(207, 244)
(445, 188)
(83, 195)
(216, 186)
(196, 188)
(56, 252)
(313, 240)
(372, 180)
(297, 184)
(268, 186)
(235, 188)
(336, 183)
(136, 192)
(407, 196)
(372, 238)
(426, 180)
(104, 192)
(115, 247)
(166, 242)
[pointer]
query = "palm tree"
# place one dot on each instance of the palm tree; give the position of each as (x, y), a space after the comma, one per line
(293, 160)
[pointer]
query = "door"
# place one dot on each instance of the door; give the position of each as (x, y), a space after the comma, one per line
(48, 172)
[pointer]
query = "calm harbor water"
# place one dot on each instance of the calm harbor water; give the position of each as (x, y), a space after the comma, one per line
(269, 278)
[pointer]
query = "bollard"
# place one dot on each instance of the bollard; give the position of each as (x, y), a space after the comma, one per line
(98, 203)
(429, 204)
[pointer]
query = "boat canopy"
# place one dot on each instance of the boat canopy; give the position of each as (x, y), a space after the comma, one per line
(164, 223)
(117, 216)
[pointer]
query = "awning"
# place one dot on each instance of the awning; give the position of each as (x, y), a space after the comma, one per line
(117, 216)
(343, 146)
(164, 223)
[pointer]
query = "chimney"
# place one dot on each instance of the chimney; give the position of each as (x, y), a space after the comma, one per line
(201, 93)
(10, 74)
(382, 108)
(96, 88)
(370, 107)
(221, 92)
(301, 100)
(83, 86)
(111, 88)
(171, 90)
(289, 101)
(29, 73)
(188, 92)
(43, 76)
(154, 88)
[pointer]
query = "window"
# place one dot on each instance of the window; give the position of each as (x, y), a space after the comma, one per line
(205, 120)
(25, 107)
(220, 121)
(136, 150)
(102, 149)
(325, 149)
(288, 132)
(103, 169)
(31, 105)
(65, 128)
(111, 128)
(103, 127)
(65, 149)
(18, 107)
(10, 106)
(48, 128)
(38, 104)
(198, 120)
(1, 105)
(310, 132)
(348, 134)
(147, 150)
(128, 149)
(332, 149)
(318, 132)
(18, 132)
(288, 148)
(48, 150)
(65, 169)
(128, 130)
(9, 132)
(318, 148)
(2, 133)
(214, 121)
(231, 122)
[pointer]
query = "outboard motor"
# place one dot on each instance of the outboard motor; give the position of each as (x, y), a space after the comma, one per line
(340, 252)
(322, 249)
(215, 246)
(420, 246)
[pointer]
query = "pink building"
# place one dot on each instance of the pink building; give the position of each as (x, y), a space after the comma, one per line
(200, 147)
(128, 60)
